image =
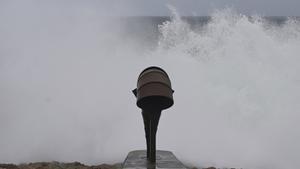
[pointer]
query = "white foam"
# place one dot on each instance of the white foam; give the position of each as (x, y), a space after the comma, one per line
(237, 83)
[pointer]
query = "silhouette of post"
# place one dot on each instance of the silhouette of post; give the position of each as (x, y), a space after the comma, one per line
(154, 94)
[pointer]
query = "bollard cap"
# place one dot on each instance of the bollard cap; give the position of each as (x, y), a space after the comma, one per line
(154, 90)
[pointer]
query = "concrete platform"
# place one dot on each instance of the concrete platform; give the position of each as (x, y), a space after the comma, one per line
(164, 160)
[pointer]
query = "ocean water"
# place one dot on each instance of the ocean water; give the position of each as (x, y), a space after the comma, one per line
(238, 78)
(66, 86)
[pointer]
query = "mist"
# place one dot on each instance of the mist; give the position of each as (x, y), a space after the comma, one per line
(67, 72)
(66, 79)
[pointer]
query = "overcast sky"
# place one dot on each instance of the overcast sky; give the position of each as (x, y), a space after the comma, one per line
(184, 7)
(204, 7)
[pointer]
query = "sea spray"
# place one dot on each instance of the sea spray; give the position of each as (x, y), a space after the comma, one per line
(237, 81)
(67, 75)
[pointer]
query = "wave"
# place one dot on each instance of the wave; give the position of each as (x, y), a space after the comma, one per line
(237, 81)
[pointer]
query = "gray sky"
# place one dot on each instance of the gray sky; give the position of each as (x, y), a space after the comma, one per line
(205, 7)
(184, 7)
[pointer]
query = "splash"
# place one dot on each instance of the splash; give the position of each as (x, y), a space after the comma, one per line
(67, 74)
(237, 88)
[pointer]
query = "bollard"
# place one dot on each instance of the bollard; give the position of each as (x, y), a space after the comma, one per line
(154, 93)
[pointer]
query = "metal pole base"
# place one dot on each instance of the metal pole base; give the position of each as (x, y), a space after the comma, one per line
(164, 160)
(151, 119)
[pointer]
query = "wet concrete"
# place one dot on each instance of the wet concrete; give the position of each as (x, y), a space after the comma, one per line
(164, 160)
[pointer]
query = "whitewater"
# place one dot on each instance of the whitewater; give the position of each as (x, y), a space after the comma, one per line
(66, 89)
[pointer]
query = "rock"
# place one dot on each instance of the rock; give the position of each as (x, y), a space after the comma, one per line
(57, 165)
(8, 166)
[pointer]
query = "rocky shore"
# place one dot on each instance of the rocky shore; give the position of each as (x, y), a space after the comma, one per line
(58, 165)
(73, 165)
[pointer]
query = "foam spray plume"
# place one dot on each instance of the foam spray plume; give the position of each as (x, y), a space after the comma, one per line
(236, 81)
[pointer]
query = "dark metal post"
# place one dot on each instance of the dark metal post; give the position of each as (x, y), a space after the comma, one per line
(151, 120)
(154, 94)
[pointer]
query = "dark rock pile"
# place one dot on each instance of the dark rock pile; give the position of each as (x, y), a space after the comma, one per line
(57, 165)
(74, 165)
